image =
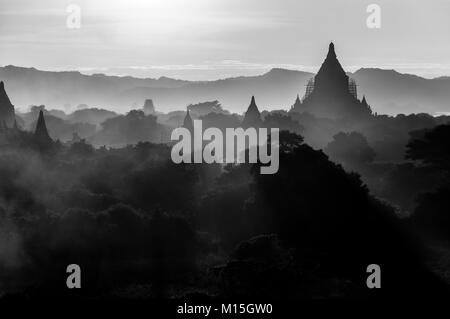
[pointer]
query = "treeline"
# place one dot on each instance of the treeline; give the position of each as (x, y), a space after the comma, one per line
(142, 227)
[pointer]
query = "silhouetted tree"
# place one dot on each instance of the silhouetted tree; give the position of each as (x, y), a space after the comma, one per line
(433, 148)
(334, 225)
(283, 122)
(350, 149)
(433, 213)
(131, 128)
(81, 148)
(405, 181)
(260, 267)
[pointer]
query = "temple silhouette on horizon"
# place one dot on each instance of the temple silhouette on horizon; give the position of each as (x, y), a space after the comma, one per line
(252, 117)
(7, 114)
(41, 132)
(188, 122)
(331, 93)
(11, 134)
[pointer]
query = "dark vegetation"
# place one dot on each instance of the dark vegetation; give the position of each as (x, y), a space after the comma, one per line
(100, 190)
(142, 227)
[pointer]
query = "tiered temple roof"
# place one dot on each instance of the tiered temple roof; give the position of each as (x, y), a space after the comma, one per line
(331, 94)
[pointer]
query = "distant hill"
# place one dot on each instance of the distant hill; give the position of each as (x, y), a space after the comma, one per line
(387, 91)
(29, 86)
(391, 92)
(91, 116)
(273, 90)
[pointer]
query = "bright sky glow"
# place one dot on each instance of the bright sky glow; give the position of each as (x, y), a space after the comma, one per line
(209, 39)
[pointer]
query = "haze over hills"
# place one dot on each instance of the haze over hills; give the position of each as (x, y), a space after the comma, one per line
(391, 92)
(387, 91)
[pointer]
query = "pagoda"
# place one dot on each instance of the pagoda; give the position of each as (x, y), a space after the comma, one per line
(41, 132)
(7, 115)
(252, 117)
(332, 94)
(188, 122)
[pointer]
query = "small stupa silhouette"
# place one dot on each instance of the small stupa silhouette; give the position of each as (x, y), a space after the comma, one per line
(148, 107)
(188, 122)
(41, 132)
(252, 117)
(297, 103)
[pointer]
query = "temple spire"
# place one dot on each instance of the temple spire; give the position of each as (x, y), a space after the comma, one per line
(252, 117)
(6, 107)
(253, 107)
(366, 105)
(331, 52)
(188, 122)
(297, 104)
(364, 100)
(41, 132)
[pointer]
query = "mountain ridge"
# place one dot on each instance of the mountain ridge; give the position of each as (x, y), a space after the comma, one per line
(387, 91)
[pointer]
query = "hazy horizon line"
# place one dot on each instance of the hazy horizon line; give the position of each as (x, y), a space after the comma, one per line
(235, 69)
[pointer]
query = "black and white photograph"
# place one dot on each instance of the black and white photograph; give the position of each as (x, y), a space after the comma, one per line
(224, 158)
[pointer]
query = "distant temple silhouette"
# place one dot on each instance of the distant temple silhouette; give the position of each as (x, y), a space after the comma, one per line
(252, 117)
(148, 107)
(331, 93)
(41, 133)
(7, 115)
(297, 103)
(188, 122)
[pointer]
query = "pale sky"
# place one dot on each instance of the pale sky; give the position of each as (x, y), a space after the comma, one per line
(210, 39)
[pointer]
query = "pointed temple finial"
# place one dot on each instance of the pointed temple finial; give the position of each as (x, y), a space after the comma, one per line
(253, 105)
(363, 101)
(41, 131)
(6, 107)
(331, 52)
(188, 123)
(297, 104)
(252, 117)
